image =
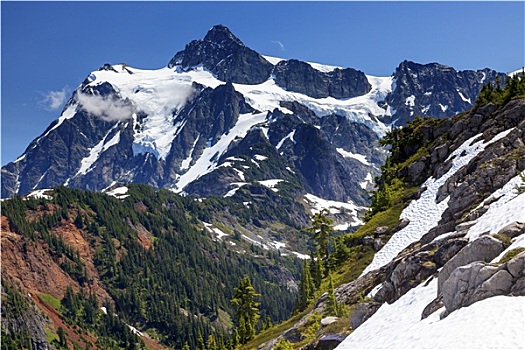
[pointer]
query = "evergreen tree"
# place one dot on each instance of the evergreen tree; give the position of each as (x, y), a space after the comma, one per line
(200, 341)
(321, 230)
(246, 309)
(333, 307)
(71, 303)
(211, 343)
(79, 223)
(340, 254)
(62, 337)
(316, 269)
(220, 343)
(186, 346)
(268, 323)
(306, 288)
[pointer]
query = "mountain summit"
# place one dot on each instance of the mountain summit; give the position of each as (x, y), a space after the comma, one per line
(223, 54)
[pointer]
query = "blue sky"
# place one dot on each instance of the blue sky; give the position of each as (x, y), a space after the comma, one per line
(49, 48)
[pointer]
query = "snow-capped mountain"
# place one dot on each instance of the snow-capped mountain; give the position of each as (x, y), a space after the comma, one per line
(222, 120)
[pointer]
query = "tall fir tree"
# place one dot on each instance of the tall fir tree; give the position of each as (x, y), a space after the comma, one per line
(316, 268)
(306, 288)
(333, 307)
(246, 309)
(200, 341)
(321, 230)
(211, 343)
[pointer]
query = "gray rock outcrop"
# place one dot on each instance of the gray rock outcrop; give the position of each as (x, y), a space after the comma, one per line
(478, 281)
(482, 249)
(363, 313)
(513, 230)
(329, 342)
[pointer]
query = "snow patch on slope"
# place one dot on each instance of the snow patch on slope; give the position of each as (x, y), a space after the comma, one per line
(510, 207)
(119, 192)
(495, 322)
(220, 234)
(96, 151)
(287, 137)
(367, 180)
(424, 213)
(357, 156)
(40, 194)
(317, 204)
(271, 183)
(463, 97)
(205, 163)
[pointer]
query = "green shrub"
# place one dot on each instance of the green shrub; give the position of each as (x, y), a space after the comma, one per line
(283, 344)
(511, 254)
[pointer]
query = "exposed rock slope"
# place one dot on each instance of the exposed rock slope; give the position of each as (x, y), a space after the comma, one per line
(472, 253)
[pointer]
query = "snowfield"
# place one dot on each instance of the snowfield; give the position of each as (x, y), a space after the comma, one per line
(119, 192)
(494, 323)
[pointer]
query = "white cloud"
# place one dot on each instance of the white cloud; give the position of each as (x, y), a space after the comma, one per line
(106, 108)
(53, 100)
(281, 45)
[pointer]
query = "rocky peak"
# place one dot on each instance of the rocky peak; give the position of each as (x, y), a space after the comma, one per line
(435, 90)
(221, 35)
(225, 56)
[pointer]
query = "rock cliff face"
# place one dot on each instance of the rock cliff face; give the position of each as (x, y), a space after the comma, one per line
(27, 320)
(435, 90)
(297, 76)
(460, 237)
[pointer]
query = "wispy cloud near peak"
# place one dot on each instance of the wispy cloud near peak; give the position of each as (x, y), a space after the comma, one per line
(53, 100)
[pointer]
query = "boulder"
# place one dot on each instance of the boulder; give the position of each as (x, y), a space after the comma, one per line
(474, 282)
(437, 231)
(483, 249)
(449, 250)
(518, 289)
(513, 230)
(363, 312)
(401, 225)
(439, 154)
(516, 266)
(329, 342)
(328, 320)
(351, 292)
(386, 293)
(465, 225)
(293, 335)
(432, 307)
